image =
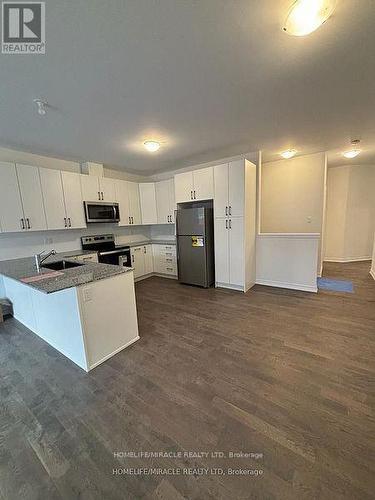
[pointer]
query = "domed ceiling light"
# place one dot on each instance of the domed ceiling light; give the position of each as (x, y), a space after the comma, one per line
(306, 16)
(151, 146)
(352, 153)
(289, 153)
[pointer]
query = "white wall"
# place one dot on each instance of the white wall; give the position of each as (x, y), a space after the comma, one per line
(350, 216)
(288, 260)
(292, 191)
(372, 272)
(37, 160)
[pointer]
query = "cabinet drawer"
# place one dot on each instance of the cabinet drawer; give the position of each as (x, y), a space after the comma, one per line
(166, 250)
(165, 260)
(165, 268)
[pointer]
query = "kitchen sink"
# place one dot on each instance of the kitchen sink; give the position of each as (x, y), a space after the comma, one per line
(62, 264)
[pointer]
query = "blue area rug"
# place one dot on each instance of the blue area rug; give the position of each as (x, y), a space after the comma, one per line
(335, 285)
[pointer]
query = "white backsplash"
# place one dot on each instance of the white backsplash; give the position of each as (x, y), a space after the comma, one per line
(16, 245)
(163, 232)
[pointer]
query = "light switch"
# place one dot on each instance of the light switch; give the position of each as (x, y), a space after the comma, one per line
(309, 219)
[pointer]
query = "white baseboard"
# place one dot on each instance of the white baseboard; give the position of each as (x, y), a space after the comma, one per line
(347, 259)
(291, 286)
(372, 273)
(159, 275)
(237, 288)
(113, 353)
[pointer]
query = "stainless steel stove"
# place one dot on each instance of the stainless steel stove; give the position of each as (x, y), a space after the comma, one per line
(108, 252)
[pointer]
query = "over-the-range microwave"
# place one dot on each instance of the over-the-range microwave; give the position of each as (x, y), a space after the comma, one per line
(101, 211)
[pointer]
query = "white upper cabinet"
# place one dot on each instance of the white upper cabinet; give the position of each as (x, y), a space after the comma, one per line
(148, 203)
(122, 196)
(127, 195)
(221, 190)
(236, 197)
(165, 201)
(53, 197)
(134, 203)
(229, 189)
(98, 188)
(75, 214)
(31, 195)
(11, 212)
(183, 185)
(203, 184)
(107, 189)
(196, 185)
(90, 188)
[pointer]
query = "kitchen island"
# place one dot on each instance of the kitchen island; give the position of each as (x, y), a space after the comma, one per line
(86, 312)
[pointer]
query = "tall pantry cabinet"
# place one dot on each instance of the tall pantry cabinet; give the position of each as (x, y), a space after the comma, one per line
(235, 224)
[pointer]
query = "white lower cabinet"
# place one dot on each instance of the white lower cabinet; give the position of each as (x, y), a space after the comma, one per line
(165, 260)
(229, 251)
(142, 261)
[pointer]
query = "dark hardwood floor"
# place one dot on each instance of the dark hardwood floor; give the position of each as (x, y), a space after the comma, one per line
(288, 375)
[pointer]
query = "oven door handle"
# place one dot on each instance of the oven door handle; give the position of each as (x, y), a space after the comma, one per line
(111, 252)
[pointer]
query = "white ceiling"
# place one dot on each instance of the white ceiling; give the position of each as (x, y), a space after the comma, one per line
(210, 78)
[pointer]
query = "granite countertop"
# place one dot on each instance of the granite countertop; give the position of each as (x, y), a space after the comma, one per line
(20, 269)
(149, 242)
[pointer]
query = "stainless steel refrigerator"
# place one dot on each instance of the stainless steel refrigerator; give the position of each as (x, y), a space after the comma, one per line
(195, 244)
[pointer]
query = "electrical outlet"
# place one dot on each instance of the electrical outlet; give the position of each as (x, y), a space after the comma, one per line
(87, 294)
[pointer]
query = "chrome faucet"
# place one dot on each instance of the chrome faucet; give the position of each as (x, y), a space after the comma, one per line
(40, 258)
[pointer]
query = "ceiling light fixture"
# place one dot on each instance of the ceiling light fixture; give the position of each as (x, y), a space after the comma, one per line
(306, 16)
(41, 106)
(352, 153)
(151, 146)
(289, 153)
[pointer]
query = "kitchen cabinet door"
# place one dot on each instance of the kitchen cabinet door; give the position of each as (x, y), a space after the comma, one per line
(134, 203)
(203, 181)
(122, 196)
(107, 189)
(90, 188)
(147, 196)
(172, 201)
(138, 261)
(53, 198)
(183, 185)
(71, 183)
(236, 188)
(222, 251)
(162, 189)
(236, 251)
(221, 190)
(31, 196)
(11, 212)
(148, 259)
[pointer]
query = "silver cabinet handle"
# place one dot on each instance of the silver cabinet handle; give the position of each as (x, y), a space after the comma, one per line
(129, 220)
(226, 223)
(132, 258)
(102, 196)
(194, 195)
(230, 210)
(191, 195)
(70, 222)
(144, 249)
(99, 195)
(226, 211)
(230, 224)
(28, 223)
(132, 220)
(65, 222)
(23, 224)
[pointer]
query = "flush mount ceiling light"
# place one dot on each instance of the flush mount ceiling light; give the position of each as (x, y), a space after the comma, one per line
(289, 153)
(41, 106)
(306, 16)
(151, 146)
(352, 153)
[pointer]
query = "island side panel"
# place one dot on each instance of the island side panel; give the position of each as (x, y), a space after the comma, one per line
(109, 316)
(53, 317)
